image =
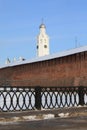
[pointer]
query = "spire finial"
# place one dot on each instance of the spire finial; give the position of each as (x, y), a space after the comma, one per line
(42, 24)
(42, 20)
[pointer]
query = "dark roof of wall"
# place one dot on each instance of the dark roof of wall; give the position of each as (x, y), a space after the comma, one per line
(48, 57)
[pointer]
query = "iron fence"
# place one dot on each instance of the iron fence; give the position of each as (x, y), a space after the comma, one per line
(31, 98)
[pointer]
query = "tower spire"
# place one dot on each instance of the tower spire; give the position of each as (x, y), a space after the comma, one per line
(42, 21)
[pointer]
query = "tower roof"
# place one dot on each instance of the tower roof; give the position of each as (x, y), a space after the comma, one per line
(42, 26)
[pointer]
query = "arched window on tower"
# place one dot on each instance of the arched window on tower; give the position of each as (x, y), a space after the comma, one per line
(45, 46)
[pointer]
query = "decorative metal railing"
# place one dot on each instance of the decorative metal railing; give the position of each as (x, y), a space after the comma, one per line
(30, 98)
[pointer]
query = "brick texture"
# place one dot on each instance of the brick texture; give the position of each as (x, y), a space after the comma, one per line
(65, 71)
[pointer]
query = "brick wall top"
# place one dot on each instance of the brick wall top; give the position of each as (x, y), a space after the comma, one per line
(70, 70)
(49, 57)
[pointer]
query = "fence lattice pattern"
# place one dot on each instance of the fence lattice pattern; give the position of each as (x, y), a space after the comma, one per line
(13, 98)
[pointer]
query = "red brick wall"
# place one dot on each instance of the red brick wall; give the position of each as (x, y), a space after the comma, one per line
(65, 71)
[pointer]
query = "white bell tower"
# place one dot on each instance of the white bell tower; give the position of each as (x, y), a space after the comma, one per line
(42, 42)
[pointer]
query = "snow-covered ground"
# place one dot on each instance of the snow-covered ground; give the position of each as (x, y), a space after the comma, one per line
(12, 120)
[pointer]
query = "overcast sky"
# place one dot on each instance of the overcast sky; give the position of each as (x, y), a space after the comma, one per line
(65, 20)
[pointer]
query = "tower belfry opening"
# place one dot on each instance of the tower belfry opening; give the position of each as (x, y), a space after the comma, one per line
(42, 41)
